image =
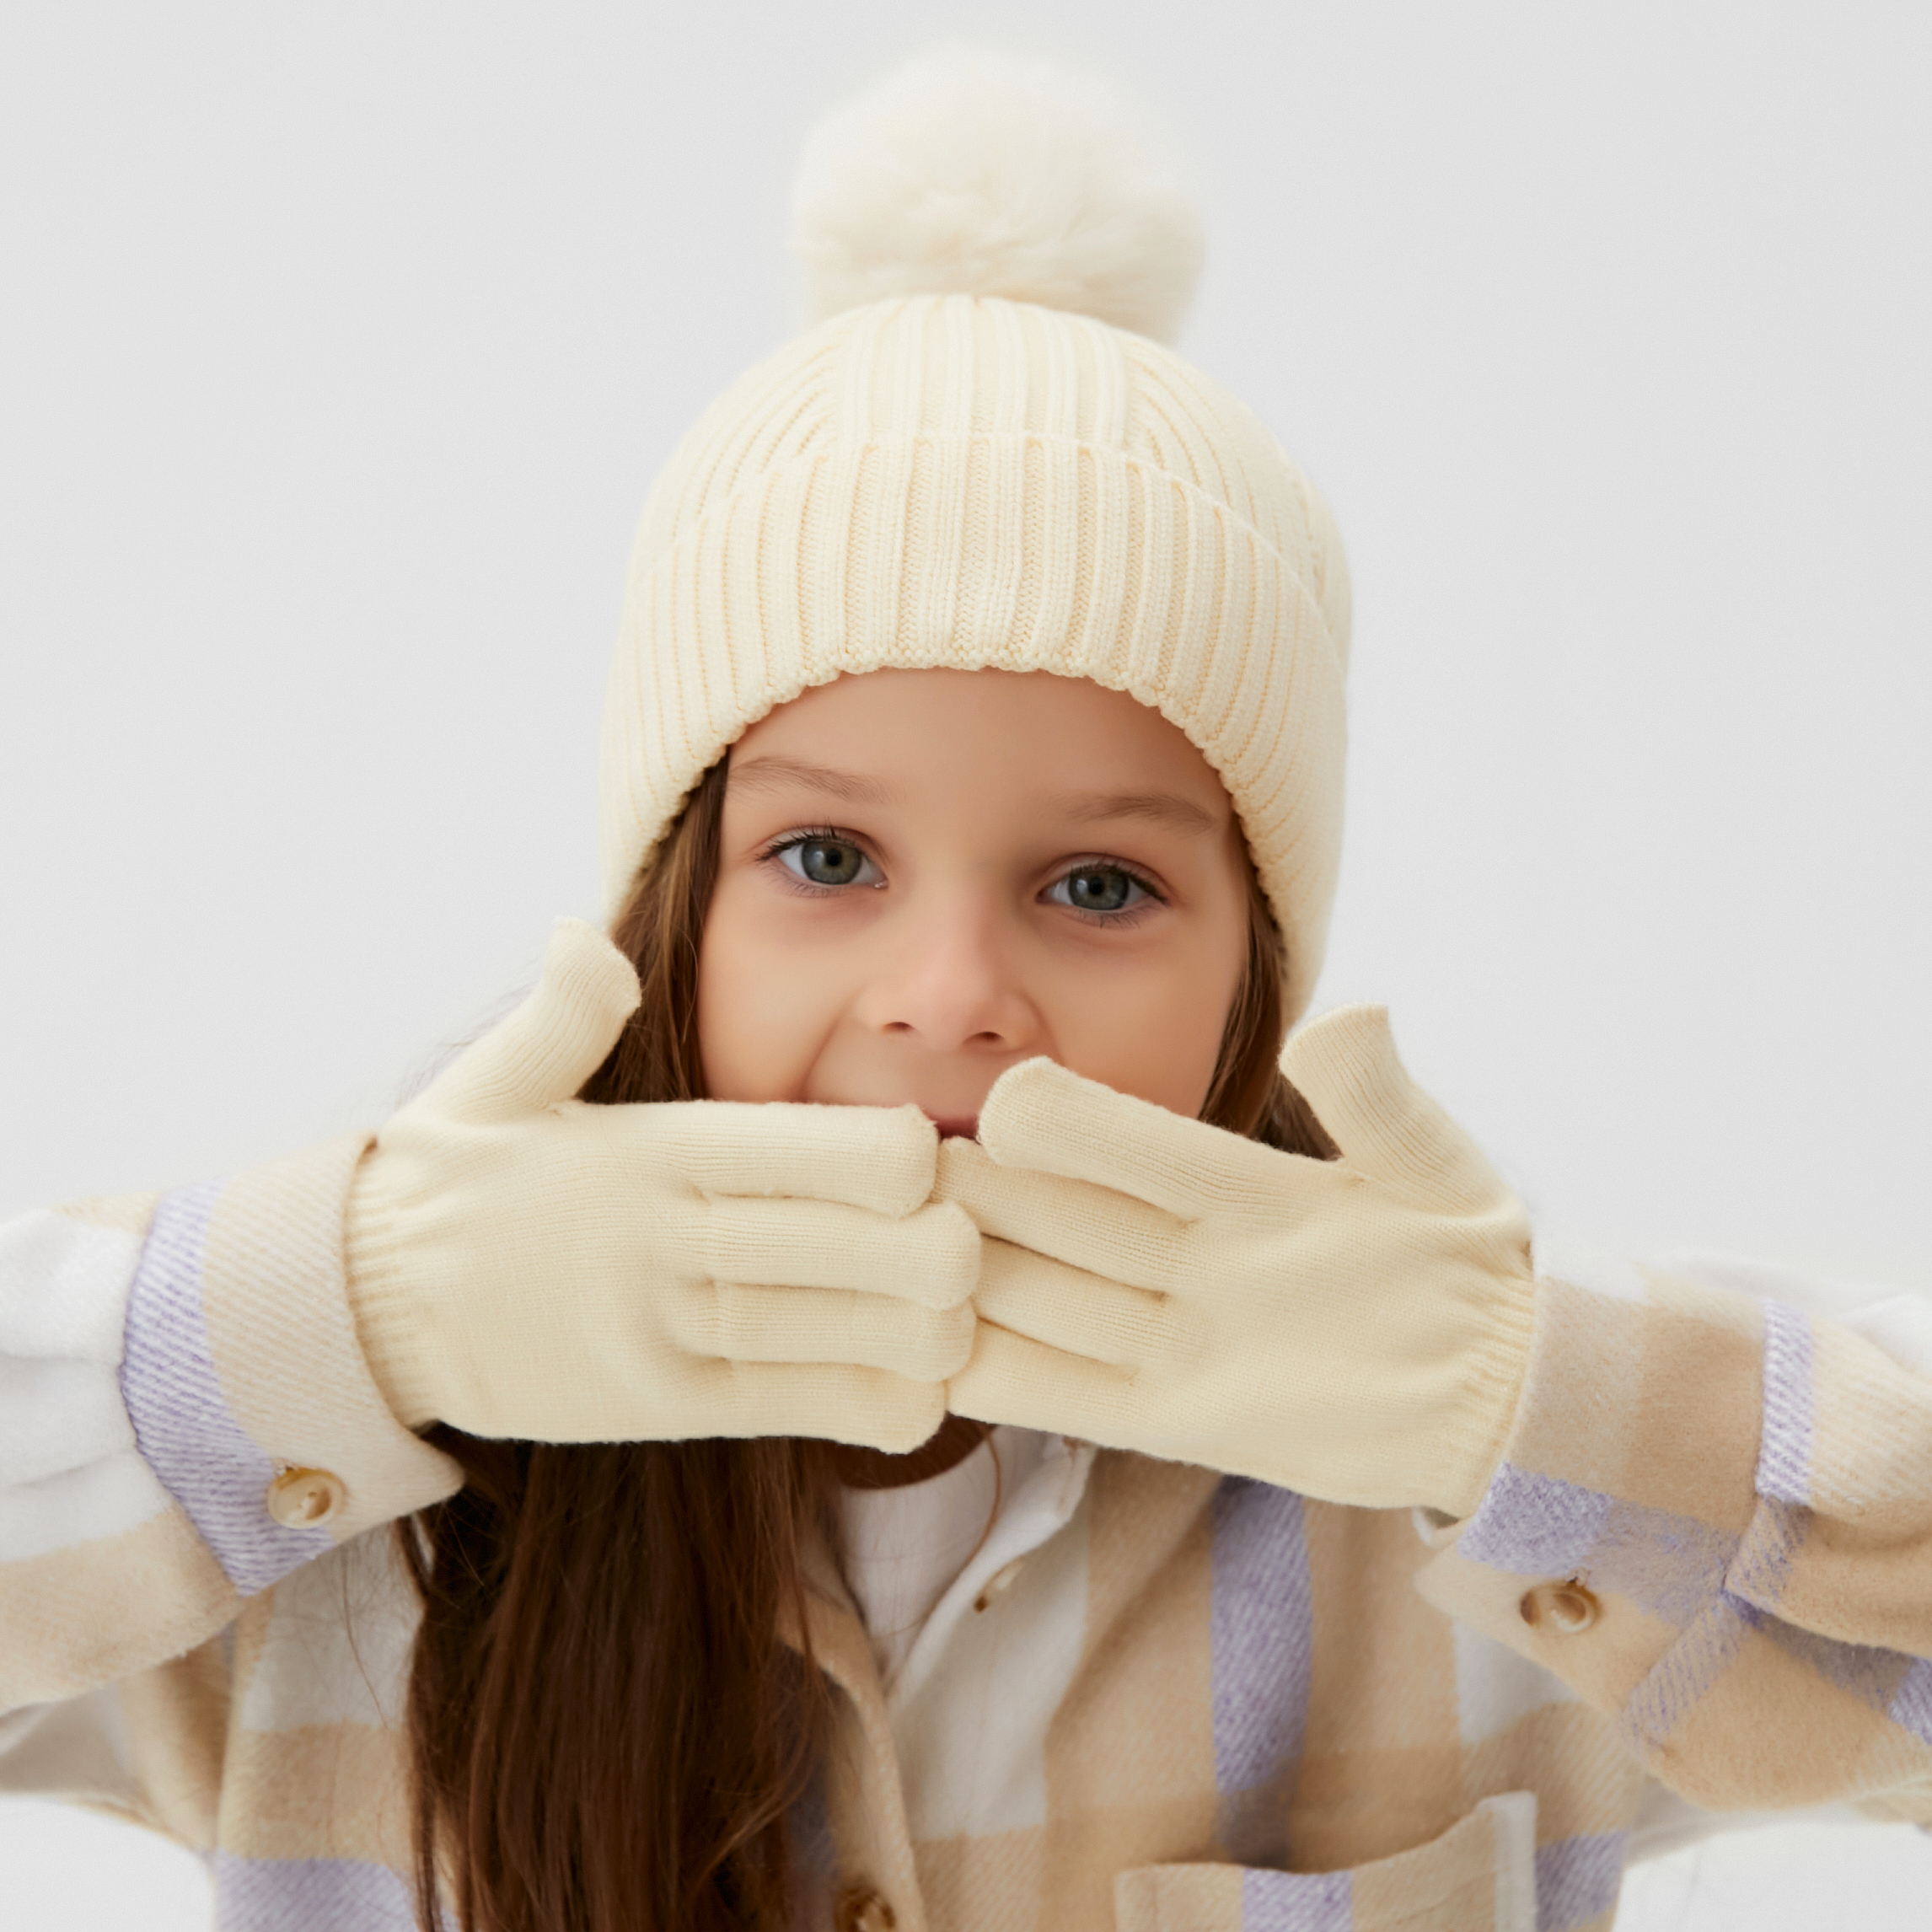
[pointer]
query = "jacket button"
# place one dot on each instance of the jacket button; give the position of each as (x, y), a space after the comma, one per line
(861, 1909)
(1568, 1607)
(305, 1498)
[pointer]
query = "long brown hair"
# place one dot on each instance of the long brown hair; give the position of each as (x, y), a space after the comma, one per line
(607, 1731)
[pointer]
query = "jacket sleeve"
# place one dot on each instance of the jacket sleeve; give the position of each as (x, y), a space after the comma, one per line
(1714, 1520)
(185, 1416)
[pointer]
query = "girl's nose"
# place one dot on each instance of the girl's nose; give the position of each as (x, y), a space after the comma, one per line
(950, 980)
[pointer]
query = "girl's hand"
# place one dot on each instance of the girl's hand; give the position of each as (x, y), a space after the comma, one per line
(1356, 1329)
(522, 1264)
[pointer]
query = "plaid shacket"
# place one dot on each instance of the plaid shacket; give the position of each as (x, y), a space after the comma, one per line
(1159, 1700)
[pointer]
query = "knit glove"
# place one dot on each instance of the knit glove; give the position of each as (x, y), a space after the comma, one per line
(523, 1263)
(1354, 1329)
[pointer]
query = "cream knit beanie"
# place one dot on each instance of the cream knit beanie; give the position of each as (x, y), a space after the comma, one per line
(978, 462)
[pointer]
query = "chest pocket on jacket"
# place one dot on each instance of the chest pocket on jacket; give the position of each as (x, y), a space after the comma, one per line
(1478, 1876)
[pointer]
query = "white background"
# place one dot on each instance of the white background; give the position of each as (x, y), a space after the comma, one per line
(341, 344)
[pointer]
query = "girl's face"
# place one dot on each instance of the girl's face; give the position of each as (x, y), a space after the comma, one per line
(927, 876)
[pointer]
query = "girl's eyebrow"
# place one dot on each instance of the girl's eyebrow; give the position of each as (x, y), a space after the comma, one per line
(1166, 808)
(769, 773)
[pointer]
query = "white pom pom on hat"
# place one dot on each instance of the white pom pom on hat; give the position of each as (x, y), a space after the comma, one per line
(985, 458)
(971, 173)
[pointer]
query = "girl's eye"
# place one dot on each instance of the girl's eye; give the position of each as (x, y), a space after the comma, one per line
(1102, 889)
(822, 862)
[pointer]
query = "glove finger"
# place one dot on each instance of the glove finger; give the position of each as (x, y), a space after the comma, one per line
(1095, 1228)
(834, 1403)
(1346, 1066)
(931, 1257)
(1010, 1379)
(1040, 1116)
(831, 1325)
(546, 1050)
(1069, 1310)
(879, 1158)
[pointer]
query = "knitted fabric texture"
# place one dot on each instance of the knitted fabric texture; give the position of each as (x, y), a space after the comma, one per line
(968, 481)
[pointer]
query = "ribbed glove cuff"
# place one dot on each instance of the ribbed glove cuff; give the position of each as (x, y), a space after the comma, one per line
(1474, 1435)
(375, 1242)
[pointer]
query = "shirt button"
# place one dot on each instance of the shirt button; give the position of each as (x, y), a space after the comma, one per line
(998, 1582)
(306, 1499)
(861, 1909)
(1568, 1607)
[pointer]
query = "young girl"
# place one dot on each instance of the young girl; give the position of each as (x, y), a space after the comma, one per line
(873, 1400)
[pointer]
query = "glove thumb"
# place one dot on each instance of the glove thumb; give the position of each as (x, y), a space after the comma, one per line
(1346, 1067)
(553, 1042)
